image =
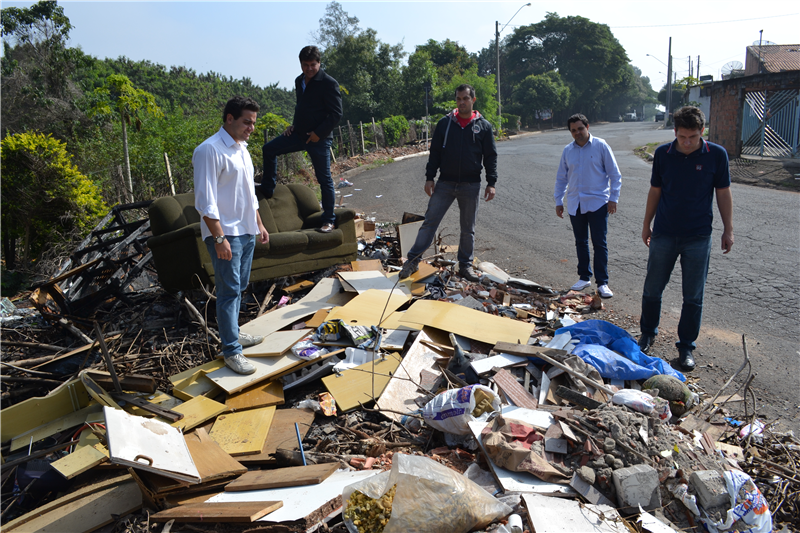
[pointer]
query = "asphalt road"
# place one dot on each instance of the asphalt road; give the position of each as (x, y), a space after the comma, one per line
(753, 290)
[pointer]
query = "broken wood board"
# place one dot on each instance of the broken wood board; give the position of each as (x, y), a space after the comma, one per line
(80, 461)
(407, 234)
(366, 265)
(368, 308)
(148, 444)
(35, 412)
(301, 503)
(266, 368)
(299, 286)
(692, 423)
(401, 392)
(560, 515)
(243, 432)
(363, 281)
(395, 321)
(76, 351)
(394, 339)
(495, 273)
(131, 382)
(318, 318)
(292, 476)
(469, 323)
(211, 460)
(282, 435)
(425, 271)
(218, 512)
(51, 428)
(482, 366)
(194, 386)
(513, 390)
(85, 509)
(261, 395)
(277, 343)
(191, 373)
(159, 398)
(196, 412)
(316, 299)
(362, 384)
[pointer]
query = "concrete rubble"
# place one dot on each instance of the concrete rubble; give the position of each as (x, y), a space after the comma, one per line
(506, 432)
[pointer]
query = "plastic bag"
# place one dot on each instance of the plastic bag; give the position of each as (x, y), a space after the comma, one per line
(622, 358)
(635, 399)
(749, 511)
(306, 349)
(451, 411)
(429, 498)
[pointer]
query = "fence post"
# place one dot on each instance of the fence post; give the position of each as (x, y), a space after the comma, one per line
(361, 127)
(375, 134)
(341, 141)
(169, 174)
(350, 139)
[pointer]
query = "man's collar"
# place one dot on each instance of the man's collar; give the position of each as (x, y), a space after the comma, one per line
(589, 142)
(673, 148)
(229, 141)
(317, 77)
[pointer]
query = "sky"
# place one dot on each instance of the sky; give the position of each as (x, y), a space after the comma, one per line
(261, 39)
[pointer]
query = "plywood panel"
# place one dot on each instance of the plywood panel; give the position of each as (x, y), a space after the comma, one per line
(211, 366)
(244, 432)
(407, 233)
(318, 318)
(196, 385)
(277, 343)
(211, 460)
(364, 281)
(266, 368)
(51, 428)
(293, 476)
(469, 323)
(358, 384)
(261, 395)
(80, 461)
(197, 411)
(368, 308)
(396, 321)
(282, 434)
(218, 512)
(367, 264)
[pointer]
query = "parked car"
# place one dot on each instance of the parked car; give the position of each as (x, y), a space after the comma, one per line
(659, 116)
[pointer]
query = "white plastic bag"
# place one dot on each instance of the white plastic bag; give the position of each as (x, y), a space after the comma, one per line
(748, 506)
(635, 399)
(451, 411)
(429, 498)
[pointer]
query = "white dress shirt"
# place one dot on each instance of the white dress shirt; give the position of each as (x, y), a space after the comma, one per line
(223, 185)
(589, 175)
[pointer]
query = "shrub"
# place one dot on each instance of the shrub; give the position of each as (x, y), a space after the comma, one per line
(395, 129)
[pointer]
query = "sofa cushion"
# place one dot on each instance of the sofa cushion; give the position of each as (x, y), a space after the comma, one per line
(284, 210)
(307, 203)
(166, 214)
(287, 242)
(267, 219)
(323, 241)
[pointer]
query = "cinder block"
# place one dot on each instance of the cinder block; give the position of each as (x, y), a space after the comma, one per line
(710, 488)
(637, 485)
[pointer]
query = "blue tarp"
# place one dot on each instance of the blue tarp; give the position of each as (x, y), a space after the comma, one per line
(614, 352)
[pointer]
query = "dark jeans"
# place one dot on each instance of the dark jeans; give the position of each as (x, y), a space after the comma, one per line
(320, 154)
(694, 253)
(444, 193)
(597, 222)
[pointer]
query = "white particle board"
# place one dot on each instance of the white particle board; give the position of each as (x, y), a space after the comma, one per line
(407, 234)
(276, 343)
(481, 366)
(364, 281)
(560, 515)
(266, 368)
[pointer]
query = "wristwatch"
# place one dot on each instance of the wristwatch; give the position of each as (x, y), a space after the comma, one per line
(220, 239)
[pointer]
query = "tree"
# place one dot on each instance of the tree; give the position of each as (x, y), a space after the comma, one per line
(419, 71)
(45, 197)
(678, 90)
(449, 58)
(129, 102)
(539, 92)
(335, 27)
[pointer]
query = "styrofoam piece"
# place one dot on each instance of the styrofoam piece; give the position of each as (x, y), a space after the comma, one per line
(560, 515)
(482, 366)
(354, 357)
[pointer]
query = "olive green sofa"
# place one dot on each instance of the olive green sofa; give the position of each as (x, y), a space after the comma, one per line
(291, 217)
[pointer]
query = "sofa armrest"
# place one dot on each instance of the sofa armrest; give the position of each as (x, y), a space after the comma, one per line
(186, 232)
(342, 215)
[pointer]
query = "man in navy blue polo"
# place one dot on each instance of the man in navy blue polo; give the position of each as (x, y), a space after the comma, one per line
(687, 174)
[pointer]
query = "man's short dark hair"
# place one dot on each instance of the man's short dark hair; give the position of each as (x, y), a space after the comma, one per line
(577, 117)
(310, 53)
(466, 87)
(236, 105)
(690, 118)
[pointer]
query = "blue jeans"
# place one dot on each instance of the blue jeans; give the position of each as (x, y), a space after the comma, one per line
(694, 253)
(597, 222)
(231, 278)
(320, 154)
(444, 193)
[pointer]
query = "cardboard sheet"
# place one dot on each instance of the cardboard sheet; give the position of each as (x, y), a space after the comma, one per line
(367, 308)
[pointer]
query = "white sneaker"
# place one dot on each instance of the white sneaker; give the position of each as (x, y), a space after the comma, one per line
(239, 364)
(580, 285)
(247, 340)
(604, 291)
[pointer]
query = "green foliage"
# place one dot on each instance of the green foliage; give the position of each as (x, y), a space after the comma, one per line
(420, 69)
(45, 196)
(335, 26)
(272, 125)
(539, 92)
(511, 122)
(485, 94)
(122, 97)
(448, 57)
(395, 129)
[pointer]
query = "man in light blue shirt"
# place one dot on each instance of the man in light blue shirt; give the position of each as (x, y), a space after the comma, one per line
(589, 176)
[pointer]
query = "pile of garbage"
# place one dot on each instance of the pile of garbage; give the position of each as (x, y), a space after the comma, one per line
(378, 405)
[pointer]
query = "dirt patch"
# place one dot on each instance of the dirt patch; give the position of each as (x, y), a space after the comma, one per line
(763, 173)
(376, 158)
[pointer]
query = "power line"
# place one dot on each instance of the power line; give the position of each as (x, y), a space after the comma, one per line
(704, 23)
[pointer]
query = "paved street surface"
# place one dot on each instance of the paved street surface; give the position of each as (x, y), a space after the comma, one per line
(753, 290)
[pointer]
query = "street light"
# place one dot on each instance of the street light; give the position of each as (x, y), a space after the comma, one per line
(669, 80)
(497, 31)
(657, 59)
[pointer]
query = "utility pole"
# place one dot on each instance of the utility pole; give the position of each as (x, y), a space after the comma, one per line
(669, 84)
(698, 67)
(691, 70)
(497, 74)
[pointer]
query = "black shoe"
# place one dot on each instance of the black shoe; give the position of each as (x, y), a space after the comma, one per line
(685, 359)
(469, 274)
(646, 342)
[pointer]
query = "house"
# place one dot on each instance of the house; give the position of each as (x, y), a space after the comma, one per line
(771, 58)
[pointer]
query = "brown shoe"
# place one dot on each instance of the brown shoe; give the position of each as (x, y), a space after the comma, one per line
(326, 228)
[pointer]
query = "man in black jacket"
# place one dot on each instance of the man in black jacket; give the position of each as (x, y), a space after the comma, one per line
(318, 110)
(463, 143)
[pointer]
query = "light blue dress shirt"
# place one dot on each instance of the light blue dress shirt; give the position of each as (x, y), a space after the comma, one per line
(588, 175)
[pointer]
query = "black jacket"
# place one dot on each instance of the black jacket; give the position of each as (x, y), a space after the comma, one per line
(319, 108)
(465, 152)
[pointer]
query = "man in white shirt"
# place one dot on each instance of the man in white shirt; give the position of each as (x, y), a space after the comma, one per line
(225, 199)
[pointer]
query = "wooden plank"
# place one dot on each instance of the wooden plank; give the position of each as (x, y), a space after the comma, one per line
(394, 339)
(218, 512)
(76, 351)
(293, 476)
(211, 460)
(356, 386)
(191, 373)
(266, 369)
(80, 461)
(368, 308)
(158, 398)
(81, 510)
(282, 435)
(243, 432)
(261, 395)
(131, 382)
(299, 286)
(577, 398)
(34, 412)
(513, 390)
(401, 392)
(51, 428)
(197, 411)
(196, 385)
(468, 323)
(425, 270)
(318, 318)
(276, 343)
(365, 265)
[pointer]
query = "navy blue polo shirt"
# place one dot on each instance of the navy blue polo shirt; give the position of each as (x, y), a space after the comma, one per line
(687, 184)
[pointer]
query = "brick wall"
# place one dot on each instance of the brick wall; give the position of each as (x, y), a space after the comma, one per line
(727, 104)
